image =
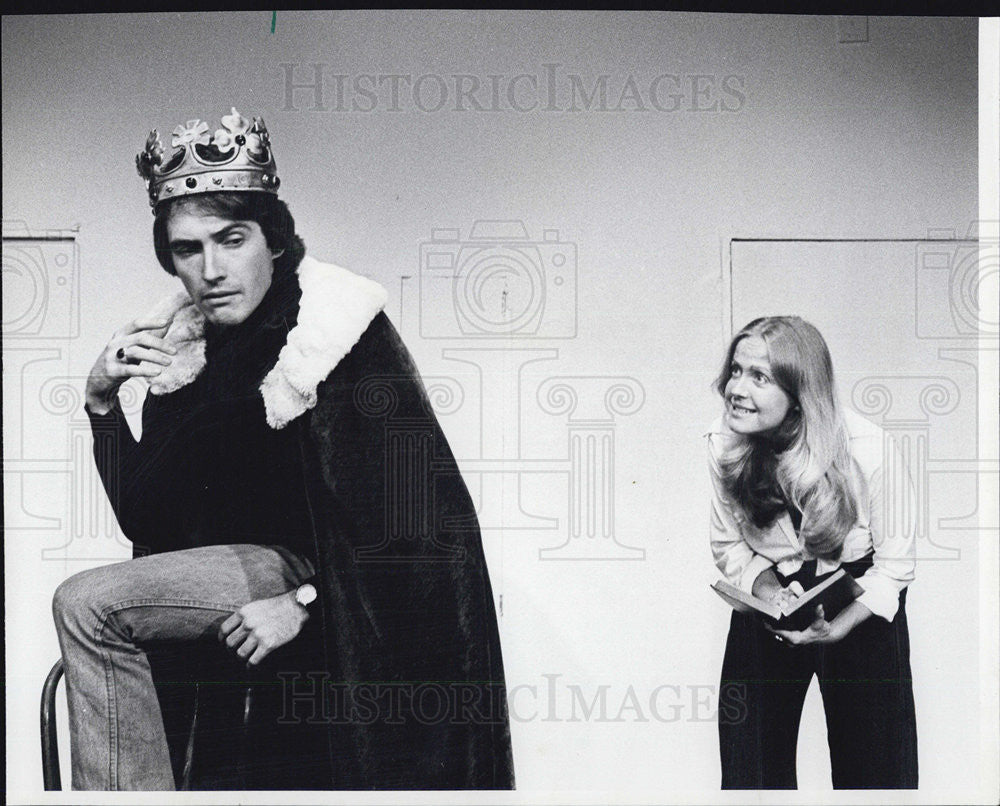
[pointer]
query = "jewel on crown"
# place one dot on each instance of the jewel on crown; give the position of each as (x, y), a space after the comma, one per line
(237, 156)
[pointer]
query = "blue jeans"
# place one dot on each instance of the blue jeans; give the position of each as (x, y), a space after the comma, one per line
(104, 617)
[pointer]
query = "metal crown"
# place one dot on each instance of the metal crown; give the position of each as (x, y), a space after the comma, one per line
(237, 157)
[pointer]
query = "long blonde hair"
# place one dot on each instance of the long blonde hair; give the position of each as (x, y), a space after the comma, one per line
(806, 462)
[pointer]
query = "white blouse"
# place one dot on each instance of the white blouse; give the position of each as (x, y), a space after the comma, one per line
(885, 523)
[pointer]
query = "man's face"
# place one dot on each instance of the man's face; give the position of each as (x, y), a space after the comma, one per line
(225, 265)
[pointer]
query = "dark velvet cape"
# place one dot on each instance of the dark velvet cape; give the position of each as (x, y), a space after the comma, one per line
(397, 681)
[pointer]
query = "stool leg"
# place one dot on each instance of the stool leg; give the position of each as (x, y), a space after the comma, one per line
(185, 782)
(245, 735)
(50, 741)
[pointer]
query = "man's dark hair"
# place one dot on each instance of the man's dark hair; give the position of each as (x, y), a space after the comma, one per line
(272, 214)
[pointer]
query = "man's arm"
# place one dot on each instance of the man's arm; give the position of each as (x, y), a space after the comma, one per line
(135, 351)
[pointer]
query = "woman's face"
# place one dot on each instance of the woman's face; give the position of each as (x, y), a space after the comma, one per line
(755, 404)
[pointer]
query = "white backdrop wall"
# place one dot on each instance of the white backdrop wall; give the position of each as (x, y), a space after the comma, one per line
(709, 128)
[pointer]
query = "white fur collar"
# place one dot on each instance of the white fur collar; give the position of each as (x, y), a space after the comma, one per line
(336, 308)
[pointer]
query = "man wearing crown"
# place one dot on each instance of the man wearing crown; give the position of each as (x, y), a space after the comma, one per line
(293, 497)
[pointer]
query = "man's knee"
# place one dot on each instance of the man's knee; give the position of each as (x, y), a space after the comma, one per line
(78, 600)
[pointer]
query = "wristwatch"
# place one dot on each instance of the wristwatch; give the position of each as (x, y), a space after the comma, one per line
(305, 594)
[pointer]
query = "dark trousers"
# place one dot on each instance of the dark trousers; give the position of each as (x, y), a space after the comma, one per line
(867, 692)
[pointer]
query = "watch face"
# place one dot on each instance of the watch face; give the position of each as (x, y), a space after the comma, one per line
(305, 594)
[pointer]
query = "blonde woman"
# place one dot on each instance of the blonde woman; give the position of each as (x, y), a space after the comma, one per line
(799, 491)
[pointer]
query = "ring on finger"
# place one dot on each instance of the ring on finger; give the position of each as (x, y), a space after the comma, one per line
(122, 356)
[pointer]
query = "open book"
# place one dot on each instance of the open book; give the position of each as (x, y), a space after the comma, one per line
(834, 593)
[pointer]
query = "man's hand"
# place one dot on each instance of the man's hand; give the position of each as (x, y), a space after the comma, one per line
(136, 351)
(260, 627)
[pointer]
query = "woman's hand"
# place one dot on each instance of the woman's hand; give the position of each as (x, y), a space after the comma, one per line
(822, 631)
(767, 587)
(260, 627)
(786, 596)
(136, 351)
